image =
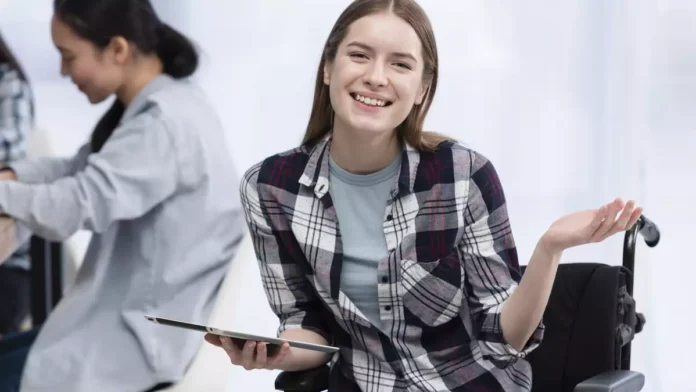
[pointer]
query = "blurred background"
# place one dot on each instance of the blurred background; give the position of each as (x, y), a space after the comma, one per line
(576, 102)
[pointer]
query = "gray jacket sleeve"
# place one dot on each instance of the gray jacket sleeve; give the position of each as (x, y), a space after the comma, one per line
(134, 171)
(43, 170)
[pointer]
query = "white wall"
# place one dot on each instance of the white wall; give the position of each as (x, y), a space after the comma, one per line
(576, 102)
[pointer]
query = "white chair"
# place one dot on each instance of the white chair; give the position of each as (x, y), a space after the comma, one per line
(241, 306)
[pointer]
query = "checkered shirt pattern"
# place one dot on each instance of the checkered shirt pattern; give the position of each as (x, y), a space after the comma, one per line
(452, 262)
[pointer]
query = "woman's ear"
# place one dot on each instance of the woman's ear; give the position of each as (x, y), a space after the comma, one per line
(118, 50)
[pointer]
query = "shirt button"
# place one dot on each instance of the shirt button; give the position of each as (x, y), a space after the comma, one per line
(385, 279)
(387, 308)
(390, 217)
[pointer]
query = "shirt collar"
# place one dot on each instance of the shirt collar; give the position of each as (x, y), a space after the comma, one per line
(159, 83)
(316, 171)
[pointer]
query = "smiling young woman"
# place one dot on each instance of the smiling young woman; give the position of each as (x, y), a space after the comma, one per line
(393, 243)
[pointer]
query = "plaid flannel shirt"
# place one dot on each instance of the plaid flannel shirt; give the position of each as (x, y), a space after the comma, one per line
(452, 262)
(16, 115)
(16, 122)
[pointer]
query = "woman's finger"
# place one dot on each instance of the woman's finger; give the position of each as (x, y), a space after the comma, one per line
(622, 222)
(232, 351)
(628, 218)
(261, 355)
(625, 217)
(279, 357)
(612, 209)
(598, 219)
(248, 355)
(213, 339)
(634, 217)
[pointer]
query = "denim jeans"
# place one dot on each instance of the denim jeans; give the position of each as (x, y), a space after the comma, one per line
(14, 350)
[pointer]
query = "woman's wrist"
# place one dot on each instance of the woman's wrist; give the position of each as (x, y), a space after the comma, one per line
(546, 250)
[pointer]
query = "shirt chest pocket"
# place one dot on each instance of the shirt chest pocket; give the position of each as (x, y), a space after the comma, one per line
(432, 290)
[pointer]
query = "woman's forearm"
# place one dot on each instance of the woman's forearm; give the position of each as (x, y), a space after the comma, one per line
(523, 310)
(300, 359)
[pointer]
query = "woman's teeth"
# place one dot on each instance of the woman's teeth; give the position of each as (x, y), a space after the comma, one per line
(370, 101)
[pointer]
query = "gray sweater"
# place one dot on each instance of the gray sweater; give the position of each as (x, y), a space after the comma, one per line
(161, 199)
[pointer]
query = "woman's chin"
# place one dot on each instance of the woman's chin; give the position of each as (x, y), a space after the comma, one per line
(371, 127)
(94, 99)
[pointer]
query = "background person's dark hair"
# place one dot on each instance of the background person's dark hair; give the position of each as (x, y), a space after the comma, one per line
(7, 57)
(99, 21)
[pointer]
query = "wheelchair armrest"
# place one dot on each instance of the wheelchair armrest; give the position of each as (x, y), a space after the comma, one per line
(312, 380)
(614, 381)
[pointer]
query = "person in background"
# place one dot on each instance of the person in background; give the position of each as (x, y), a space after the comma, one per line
(16, 122)
(393, 243)
(155, 185)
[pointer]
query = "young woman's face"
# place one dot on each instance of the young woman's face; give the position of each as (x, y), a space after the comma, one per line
(377, 75)
(96, 72)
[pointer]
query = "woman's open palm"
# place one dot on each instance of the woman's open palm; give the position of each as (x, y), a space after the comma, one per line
(584, 227)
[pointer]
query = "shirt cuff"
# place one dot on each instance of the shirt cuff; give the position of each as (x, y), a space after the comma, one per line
(494, 346)
(25, 171)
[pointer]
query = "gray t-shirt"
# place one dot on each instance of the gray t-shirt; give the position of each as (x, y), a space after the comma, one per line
(360, 202)
(162, 201)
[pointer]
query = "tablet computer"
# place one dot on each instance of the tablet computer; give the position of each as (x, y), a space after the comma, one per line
(239, 338)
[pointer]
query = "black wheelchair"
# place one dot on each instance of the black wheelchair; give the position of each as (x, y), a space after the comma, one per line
(590, 322)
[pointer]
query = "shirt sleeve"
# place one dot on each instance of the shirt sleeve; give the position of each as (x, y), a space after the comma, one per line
(16, 124)
(48, 169)
(288, 290)
(16, 117)
(491, 264)
(136, 170)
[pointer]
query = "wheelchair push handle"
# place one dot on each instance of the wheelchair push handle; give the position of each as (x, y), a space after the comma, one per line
(651, 235)
(648, 229)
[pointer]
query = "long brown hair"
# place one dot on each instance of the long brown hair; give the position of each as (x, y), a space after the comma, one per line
(411, 130)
